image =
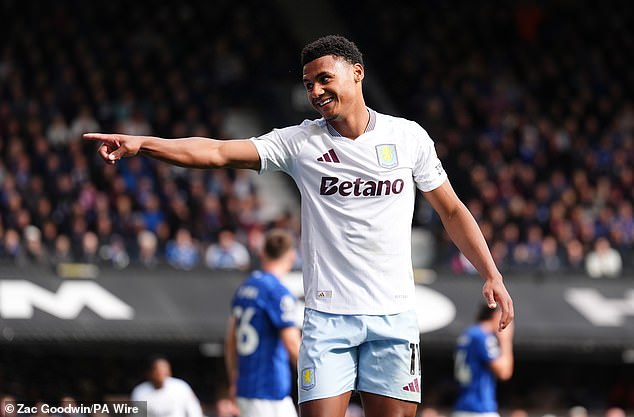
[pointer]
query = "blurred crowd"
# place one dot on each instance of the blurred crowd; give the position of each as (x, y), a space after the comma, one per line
(529, 104)
(71, 67)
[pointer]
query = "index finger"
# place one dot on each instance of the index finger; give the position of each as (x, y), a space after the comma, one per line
(103, 137)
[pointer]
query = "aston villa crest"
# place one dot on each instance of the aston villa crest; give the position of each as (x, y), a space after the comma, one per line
(386, 155)
(308, 378)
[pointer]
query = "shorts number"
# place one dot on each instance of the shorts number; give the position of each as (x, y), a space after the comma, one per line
(462, 372)
(247, 338)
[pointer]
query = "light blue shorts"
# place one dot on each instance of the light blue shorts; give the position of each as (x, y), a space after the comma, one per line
(375, 354)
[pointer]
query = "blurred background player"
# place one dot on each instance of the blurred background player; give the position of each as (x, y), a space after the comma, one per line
(262, 336)
(482, 356)
(166, 396)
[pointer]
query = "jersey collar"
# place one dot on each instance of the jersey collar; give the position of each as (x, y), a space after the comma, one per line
(368, 128)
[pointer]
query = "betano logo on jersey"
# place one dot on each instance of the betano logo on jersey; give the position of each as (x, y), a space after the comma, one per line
(360, 187)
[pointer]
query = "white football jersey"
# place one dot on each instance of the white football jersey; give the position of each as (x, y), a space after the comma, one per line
(357, 207)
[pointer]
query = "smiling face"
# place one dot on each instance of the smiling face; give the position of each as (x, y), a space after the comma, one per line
(333, 86)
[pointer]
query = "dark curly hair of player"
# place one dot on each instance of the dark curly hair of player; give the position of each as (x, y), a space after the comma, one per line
(332, 45)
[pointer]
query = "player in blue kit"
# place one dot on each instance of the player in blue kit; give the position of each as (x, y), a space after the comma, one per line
(358, 172)
(262, 336)
(482, 356)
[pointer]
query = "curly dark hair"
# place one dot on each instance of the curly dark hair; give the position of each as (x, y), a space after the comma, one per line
(332, 45)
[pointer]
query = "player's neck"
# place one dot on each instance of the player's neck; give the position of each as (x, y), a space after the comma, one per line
(276, 269)
(353, 125)
(488, 326)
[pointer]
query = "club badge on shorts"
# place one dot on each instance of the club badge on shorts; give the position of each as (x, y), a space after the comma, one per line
(307, 378)
(386, 155)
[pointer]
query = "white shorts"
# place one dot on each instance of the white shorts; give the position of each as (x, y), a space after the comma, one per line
(256, 407)
(375, 354)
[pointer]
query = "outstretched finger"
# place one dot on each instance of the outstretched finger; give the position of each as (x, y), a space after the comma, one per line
(102, 137)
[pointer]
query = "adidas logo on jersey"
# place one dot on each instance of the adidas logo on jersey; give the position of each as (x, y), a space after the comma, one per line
(329, 156)
(412, 386)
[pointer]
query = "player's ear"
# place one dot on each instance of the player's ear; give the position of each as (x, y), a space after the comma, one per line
(358, 72)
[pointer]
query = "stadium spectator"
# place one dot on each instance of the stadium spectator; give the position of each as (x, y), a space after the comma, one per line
(210, 215)
(115, 253)
(182, 252)
(254, 244)
(89, 248)
(58, 133)
(227, 253)
(152, 214)
(63, 251)
(551, 258)
(603, 261)
(35, 251)
(49, 234)
(82, 122)
(147, 249)
(12, 248)
(575, 257)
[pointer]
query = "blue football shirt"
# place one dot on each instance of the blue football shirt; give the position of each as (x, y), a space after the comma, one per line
(475, 350)
(262, 306)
